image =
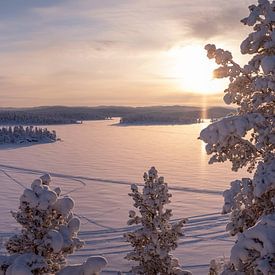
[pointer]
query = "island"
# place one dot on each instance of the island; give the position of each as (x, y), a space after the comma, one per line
(173, 115)
(26, 135)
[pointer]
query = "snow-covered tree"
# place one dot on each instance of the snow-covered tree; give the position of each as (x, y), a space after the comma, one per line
(156, 237)
(49, 229)
(247, 139)
(48, 235)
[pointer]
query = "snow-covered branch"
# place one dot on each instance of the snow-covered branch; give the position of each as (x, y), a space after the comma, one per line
(248, 139)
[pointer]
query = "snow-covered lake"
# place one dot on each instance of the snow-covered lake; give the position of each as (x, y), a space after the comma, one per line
(96, 163)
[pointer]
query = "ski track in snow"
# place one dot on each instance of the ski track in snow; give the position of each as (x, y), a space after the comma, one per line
(108, 241)
(82, 178)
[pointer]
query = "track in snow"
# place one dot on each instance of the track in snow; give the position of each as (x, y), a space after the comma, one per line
(81, 179)
(110, 242)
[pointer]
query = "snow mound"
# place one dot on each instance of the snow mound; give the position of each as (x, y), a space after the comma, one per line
(92, 266)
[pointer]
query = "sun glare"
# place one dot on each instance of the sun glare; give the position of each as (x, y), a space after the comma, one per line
(192, 70)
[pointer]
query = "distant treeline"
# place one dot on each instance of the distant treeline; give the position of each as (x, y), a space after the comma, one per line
(70, 115)
(58, 114)
(173, 115)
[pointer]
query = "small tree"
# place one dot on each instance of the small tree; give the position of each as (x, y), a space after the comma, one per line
(48, 235)
(49, 229)
(247, 139)
(156, 237)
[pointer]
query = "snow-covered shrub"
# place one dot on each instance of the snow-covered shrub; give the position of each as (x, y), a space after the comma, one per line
(5, 262)
(247, 139)
(92, 266)
(26, 264)
(48, 234)
(217, 266)
(156, 237)
(257, 243)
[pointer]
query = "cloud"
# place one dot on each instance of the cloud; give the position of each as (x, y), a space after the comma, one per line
(103, 45)
(137, 26)
(220, 22)
(103, 48)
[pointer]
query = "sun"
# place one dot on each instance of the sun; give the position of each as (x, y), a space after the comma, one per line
(193, 71)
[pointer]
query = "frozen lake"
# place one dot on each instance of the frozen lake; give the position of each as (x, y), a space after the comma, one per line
(96, 163)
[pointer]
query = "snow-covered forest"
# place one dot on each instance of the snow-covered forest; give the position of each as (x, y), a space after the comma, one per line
(29, 134)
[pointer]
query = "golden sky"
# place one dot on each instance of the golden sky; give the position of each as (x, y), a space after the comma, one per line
(115, 52)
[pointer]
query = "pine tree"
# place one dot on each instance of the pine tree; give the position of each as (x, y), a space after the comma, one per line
(156, 237)
(247, 139)
(49, 231)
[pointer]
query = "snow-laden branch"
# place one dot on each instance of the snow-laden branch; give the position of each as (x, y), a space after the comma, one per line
(247, 139)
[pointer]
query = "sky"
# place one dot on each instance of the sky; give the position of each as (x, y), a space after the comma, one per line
(115, 52)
